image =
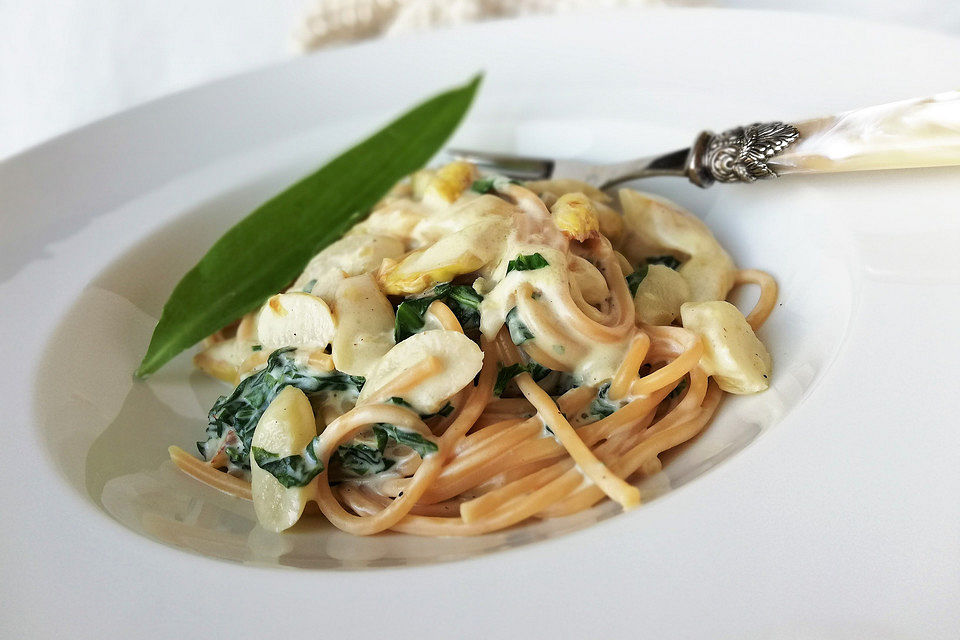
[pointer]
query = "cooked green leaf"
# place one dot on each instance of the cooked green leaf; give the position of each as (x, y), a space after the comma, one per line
(635, 278)
(459, 294)
(363, 458)
(400, 402)
(412, 439)
(483, 185)
(527, 262)
(410, 317)
(445, 410)
(233, 418)
(601, 407)
(677, 390)
(519, 332)
(505, 374)
(537, 371)
(463, 301)
(244, 267)
(290, 471)
(491, 183)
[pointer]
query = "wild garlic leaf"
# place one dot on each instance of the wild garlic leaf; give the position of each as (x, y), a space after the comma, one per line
(527, 262)
(677, 390)
(483, 185)
(444, 411)
(635, 278)
(290, 471)
(537, 371)
(463, 301)
(459, 294)
(491, 183)
(519, 332)
(412, 439)
(234, 417)
(400, 402)
(601, 407)
(361, 459)
(505, 375)
(410, 317)
(244, 267)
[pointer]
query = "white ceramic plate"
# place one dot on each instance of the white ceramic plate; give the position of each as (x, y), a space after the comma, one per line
(834, 513)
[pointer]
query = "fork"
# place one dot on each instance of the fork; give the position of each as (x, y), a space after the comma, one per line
(921, 132)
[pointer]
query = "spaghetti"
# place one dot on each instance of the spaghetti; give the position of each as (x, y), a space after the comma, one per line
(490, 368)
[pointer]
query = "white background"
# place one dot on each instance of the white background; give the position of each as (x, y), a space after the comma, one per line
(67, 62)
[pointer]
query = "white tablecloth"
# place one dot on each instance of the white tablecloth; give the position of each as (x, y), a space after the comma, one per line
(67, 62)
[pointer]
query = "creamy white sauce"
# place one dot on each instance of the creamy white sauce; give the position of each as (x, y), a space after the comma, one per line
(551, 285)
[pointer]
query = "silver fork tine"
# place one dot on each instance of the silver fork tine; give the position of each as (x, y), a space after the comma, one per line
(517, 167)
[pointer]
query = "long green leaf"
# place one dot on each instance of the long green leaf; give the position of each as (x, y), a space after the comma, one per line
(266, 250)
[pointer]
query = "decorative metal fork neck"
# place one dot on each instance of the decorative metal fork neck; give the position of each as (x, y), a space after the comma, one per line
(740, 154)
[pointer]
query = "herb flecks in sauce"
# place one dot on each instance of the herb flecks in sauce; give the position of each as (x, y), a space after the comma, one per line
(527, 262)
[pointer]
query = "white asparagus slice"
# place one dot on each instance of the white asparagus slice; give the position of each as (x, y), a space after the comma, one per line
(460, 358)
(732, 353)
(295, 320)
(654, 225)
(351, 255)
(285, 428)
(365, 323)
(659, 295)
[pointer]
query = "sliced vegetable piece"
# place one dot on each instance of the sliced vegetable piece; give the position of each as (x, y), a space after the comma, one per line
(462, 214)
(420, 181)
(350, 256)
(656, 227)
(659, 295)
(732, 353)
(364, 326)
(295, 320)
(465, 251)
(449, 182)
(394, 219)
(576, 216)
(222, 359)
(284, 429)
(710, 276)
(460, 357)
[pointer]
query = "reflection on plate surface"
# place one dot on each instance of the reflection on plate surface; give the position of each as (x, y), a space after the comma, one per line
(109, 433)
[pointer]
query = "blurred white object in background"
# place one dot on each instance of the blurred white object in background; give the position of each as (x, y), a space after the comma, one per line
(66, 62)
(330, 22)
